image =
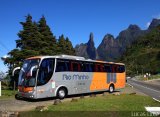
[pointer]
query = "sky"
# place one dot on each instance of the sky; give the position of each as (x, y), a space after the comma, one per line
(75, 19)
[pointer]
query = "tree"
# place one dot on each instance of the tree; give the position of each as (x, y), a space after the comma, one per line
(69, 48)
(48, 39)
(61, 44)
(144, 54)
(36, 39)
(28, 44)
(29, 37)
(65, 46)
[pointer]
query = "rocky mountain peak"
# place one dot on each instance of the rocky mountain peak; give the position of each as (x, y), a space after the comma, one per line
(108, 39)
(154, 23)
(88, 49)
(91, 36)
(112, 48)
(134, 27)
(90, 41)
(108, 36)
(91, 50)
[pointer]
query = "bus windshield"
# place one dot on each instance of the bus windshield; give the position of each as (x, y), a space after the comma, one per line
(24, 77)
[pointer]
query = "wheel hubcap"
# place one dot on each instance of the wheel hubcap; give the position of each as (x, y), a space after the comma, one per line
(111, 89)
(61, 93)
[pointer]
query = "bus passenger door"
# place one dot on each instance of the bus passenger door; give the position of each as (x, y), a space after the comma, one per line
(43, 80)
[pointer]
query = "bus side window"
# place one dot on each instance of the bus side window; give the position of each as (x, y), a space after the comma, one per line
(87, 67)
(121, 68)
(95, 67)
(91, 67)
(62, 66)
(116, 69)
(107, 68)
(113, 68)
(84, 67)
(102, 68)
(98, 68)
(75, 66)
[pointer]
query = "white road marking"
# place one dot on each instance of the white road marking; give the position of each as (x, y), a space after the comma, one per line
(130, 85)
(147, 88)
(153, 110)
(156, 100)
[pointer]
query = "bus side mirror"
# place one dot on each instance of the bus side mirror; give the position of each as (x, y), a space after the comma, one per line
(15, 70)
(33, 70)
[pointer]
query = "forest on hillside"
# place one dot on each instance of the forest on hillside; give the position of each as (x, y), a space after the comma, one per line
(143, 56)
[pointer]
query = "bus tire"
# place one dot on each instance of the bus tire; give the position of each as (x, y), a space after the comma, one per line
(111, 88)
(17, 97)
(62, 93)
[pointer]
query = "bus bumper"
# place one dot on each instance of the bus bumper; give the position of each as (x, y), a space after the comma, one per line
(30, 95)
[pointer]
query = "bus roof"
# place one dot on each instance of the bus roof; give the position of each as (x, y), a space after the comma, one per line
(70, 57)
(35, 57)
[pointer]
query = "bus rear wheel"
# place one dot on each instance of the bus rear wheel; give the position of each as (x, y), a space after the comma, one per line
(61, 93)
(111, 88)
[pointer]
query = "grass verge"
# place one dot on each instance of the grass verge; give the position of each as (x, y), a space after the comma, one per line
(110, 105)
(152, 77)
(5, 94)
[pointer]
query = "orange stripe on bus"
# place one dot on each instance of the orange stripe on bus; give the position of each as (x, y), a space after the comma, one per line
(98, 81)
(120, 80)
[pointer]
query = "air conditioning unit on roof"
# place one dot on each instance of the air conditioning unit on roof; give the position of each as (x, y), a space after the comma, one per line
(72, 57)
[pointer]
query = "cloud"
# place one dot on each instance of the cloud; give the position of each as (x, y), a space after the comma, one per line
(5, 56)
(148, 24)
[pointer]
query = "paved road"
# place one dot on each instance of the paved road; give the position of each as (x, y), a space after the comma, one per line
(149, 89)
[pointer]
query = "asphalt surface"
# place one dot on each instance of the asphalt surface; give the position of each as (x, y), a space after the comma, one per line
(152, 90)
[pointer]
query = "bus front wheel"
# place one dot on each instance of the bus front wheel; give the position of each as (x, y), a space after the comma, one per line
(61, 93)
(111, 88)
(17, 97)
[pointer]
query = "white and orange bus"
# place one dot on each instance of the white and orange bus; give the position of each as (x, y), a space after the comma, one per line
(62, 75)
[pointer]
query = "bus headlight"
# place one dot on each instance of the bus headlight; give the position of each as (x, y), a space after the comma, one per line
(30, 91)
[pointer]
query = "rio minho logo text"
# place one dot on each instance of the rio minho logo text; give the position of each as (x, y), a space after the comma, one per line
(75, 77)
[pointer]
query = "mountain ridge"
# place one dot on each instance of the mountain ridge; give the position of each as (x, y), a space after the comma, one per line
(111, 48)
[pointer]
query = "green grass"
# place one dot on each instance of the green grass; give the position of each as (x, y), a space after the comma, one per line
(155, 77)
(5, 94)
(110, 105)
(152, 77)
(123, 102)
